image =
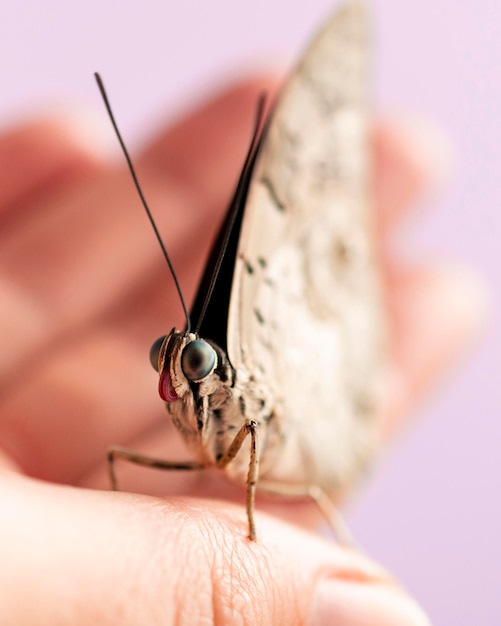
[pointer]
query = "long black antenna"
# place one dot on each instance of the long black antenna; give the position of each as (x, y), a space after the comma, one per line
(143, 199)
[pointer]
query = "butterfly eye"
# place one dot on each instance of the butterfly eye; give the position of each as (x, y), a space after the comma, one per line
(155, 351)
(198, 360)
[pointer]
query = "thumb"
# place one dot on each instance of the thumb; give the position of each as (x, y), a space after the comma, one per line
(84, 556)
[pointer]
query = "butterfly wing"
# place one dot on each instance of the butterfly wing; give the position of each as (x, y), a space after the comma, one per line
(209, 312)
(306, 315)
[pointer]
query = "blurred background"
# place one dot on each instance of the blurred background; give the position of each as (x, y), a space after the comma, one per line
(432, 514)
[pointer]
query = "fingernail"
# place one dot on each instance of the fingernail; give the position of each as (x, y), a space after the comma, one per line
(346, 603)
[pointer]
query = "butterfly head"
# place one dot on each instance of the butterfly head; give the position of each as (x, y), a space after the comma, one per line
(182, 358)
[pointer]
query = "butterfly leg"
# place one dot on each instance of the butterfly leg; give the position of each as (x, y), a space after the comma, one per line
(116, 452)
(249, 428)
(321, 499)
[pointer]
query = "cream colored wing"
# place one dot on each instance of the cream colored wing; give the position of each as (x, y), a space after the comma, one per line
(306, 314)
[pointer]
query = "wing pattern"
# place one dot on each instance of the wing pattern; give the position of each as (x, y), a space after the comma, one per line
(306, 310)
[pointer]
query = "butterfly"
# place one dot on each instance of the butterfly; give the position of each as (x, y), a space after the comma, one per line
(275, 378)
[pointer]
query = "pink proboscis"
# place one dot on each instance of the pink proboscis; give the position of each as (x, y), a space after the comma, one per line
(165, 388)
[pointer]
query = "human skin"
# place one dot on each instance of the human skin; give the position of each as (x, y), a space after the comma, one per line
(83, 291)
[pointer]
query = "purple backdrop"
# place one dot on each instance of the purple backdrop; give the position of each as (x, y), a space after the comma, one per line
(433, 512)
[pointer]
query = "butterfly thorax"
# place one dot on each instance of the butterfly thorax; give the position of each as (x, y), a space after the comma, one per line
(209, 411)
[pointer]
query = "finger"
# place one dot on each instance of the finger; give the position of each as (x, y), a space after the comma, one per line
(42, 154)
(34, 158)
(411, 158)
(435, 313)
(182, 561)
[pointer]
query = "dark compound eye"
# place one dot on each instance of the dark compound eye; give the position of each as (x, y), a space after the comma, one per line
(198, 360)
(155, 351)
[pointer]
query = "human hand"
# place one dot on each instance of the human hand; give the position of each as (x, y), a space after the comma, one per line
(84, 292)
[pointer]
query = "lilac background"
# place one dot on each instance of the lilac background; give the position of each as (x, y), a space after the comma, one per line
(433, 513)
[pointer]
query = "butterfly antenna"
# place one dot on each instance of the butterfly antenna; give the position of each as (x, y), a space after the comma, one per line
(237, 200)
(143, 199)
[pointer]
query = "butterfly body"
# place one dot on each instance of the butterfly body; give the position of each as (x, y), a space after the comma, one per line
(210, 412)
(305, 328)
(291, 321)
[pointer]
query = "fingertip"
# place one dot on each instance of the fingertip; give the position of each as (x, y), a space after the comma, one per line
(225, 105)
(41, 153)
(447, 304)
(466, 292)
(204, 150)
(413, 159)
(87, 131)
(330, 583)
(438, 313)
